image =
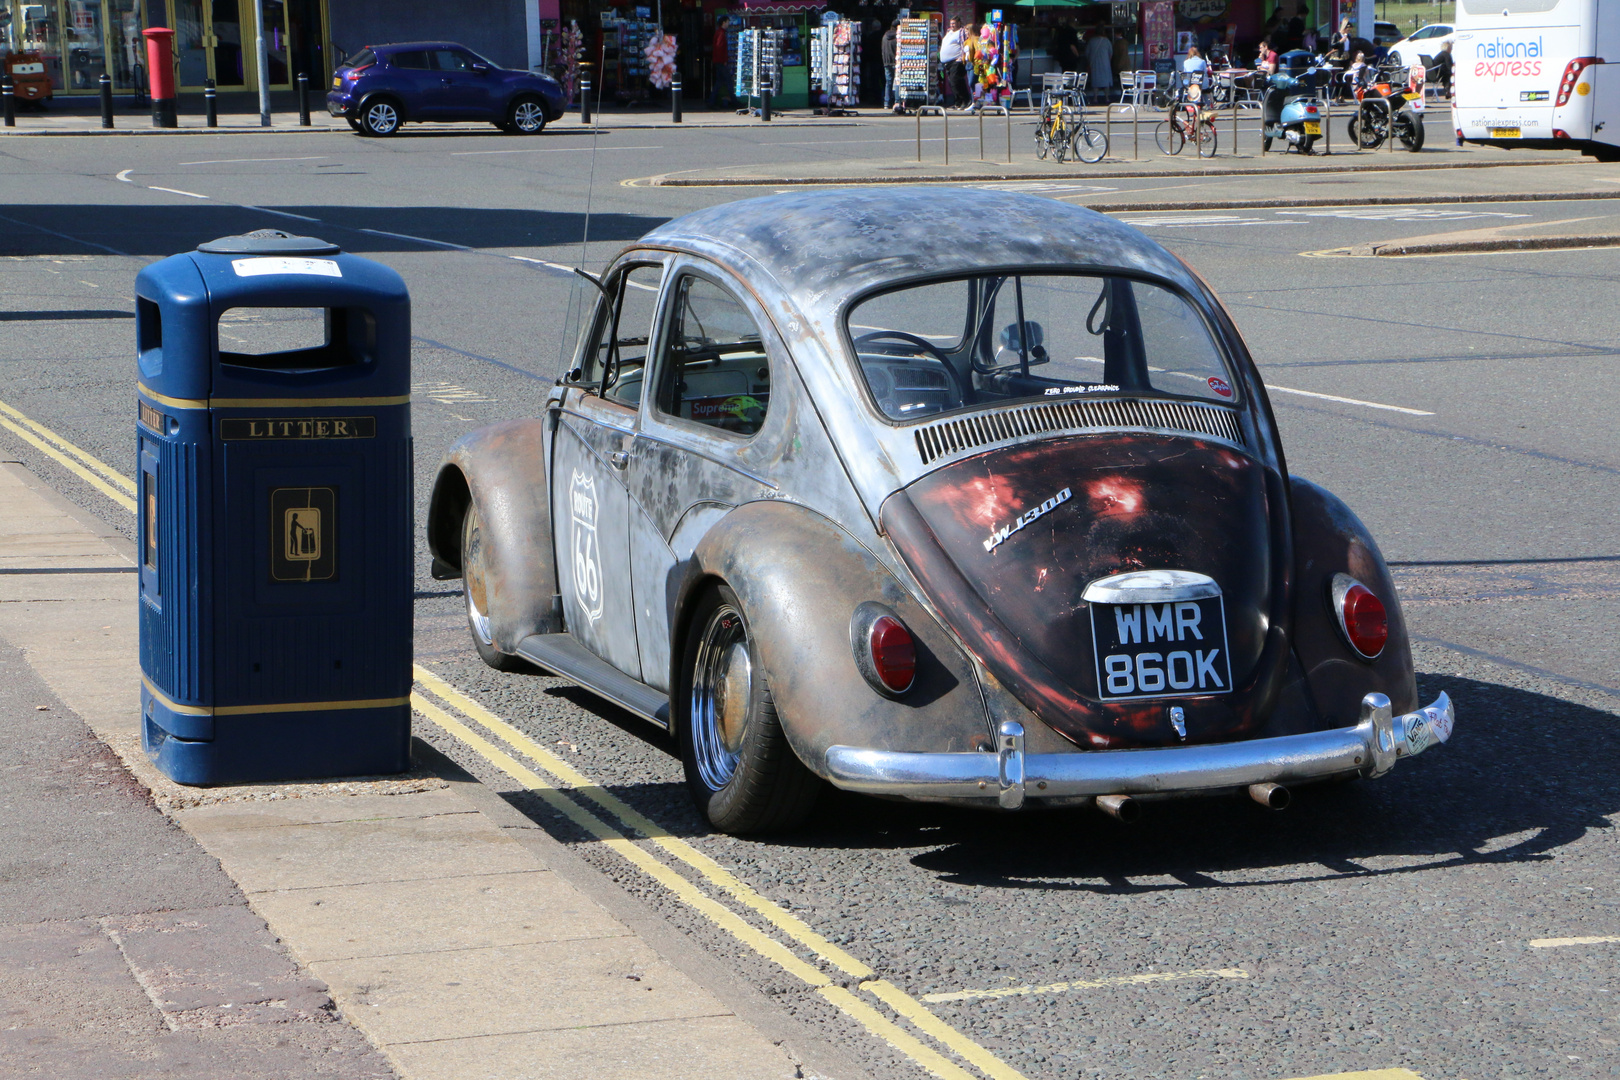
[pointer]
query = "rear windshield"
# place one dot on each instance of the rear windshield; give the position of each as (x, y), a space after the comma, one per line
(361, 59)
(951, 345)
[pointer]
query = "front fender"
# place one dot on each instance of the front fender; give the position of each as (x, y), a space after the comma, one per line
(500, 468)
(1330, 539)
(799, 578)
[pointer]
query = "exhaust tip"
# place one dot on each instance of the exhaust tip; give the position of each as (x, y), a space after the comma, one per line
(1120, 807)
(1270, 796)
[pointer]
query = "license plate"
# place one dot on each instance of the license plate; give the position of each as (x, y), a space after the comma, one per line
(337, 82)
(1505, 133)
(1313, 127)
(1161, 650)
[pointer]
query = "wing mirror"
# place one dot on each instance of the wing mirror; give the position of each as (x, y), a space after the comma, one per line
(1033, 336)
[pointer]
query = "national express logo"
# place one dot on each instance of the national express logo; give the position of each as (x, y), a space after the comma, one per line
(1507, 59)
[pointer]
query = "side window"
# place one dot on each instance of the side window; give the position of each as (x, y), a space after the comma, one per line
(714, 368)
(416, 61)
(617, 358)
(451, 60)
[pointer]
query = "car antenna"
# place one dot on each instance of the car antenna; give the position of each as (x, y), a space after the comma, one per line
(585, 232)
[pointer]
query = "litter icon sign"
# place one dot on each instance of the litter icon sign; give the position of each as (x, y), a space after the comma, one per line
(303, 522)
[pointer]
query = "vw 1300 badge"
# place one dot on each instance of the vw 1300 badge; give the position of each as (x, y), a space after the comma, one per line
(999, 537)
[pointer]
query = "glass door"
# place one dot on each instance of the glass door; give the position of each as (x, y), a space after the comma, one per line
(208, 43)
(86, 48)
(126, 49)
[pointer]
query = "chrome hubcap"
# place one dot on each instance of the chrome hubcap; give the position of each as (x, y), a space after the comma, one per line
(472, 580)
(529, 117)
(382, 117)
(722, 692)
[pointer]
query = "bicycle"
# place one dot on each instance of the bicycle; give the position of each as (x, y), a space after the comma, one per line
(1054, 133)
(1187, 122)
(1089, 144)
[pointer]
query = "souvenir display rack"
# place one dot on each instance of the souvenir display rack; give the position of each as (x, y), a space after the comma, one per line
(624, 54)
(759, 65)
(835, 65)
(916, 62)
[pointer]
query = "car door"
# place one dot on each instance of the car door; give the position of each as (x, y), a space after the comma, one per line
(590, 506)
(425, 98)
(466, 89)
(694, 454)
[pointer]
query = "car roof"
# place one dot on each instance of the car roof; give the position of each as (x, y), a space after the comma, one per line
(401, 46)
(823, 247)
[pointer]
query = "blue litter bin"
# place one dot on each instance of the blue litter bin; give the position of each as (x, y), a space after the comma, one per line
(276, 512)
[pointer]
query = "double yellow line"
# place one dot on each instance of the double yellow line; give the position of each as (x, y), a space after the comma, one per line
(87, 467)
(586, 804)
(589, 806)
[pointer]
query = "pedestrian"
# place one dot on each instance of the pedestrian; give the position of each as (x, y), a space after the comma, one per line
(720, 57)
(1265, 61)
(1066, 46)
(1100, 66)
(973, 64)
(891, 46)
(1441, 70)
(1195, 70)
(951, 63)
(1340, 41)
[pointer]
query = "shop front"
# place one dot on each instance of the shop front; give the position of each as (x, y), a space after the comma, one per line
(80, 40)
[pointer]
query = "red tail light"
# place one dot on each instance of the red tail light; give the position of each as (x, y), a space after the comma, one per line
(1361, 616)
(354, 72)
(894, 654)
(1560, 133)
(1572, 75)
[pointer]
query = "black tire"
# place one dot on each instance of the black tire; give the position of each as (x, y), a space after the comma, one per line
(1060, 143)
(1409, 129)
(474, 594)
(1042, 145)
(1265, 145)
(526, 116)
(380, 118)
(1353, 128)
(1090, 145)
(1208, 139)
(742, 774)
(353, 123)
(1169, 137)
(1307, 144)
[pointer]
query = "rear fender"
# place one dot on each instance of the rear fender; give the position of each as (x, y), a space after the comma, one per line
(1329, 539)
(502, 469)
(799, 578)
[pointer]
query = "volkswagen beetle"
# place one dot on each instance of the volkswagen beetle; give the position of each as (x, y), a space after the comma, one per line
(948, 495)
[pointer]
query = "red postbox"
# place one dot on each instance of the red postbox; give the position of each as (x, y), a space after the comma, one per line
(160, 69)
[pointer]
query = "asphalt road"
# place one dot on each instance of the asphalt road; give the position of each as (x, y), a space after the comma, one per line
(1461, 405)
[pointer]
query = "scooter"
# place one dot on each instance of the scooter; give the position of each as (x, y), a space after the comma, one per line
(1386, 110)
(1291, 110)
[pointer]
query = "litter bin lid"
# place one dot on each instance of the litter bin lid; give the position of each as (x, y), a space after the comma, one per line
(269, 242)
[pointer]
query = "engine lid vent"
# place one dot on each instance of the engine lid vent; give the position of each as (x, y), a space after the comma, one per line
(946, 437)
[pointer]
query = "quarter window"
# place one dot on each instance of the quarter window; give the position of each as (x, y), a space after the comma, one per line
(714, 369)
(616, 361)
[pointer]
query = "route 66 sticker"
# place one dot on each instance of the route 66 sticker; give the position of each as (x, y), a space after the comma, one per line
(587, 558)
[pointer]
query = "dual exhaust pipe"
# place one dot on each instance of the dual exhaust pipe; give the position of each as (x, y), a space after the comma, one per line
(1126, 809)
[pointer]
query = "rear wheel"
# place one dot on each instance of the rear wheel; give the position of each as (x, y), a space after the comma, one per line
(1060, 142)
(475, 591)
(1409, 129)
(1090, 145)
(526, 116)
(743, 775)
(1207, 140)
(1307, 144)
(1265, 145)
(380, 117)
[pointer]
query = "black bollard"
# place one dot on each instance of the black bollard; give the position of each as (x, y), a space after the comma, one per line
(584, 96)
(765, 105)
(211, 100)
(106, 101)
(303, 100)
(10, 103)
(675, 101)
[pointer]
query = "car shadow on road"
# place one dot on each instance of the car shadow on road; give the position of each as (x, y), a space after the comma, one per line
(79, 229)
(1524, 775)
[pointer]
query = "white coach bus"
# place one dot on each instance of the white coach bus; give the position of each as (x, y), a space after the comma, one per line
(1531, 73)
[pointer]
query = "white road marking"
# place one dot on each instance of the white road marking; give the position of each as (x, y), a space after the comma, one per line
(1407, 213)
(177, 191)
(1089, 984)
(1202, 221)
(446, 393)
(1347, 400)
(417, 239)
(1044, 187)
(124, 176)
(1560, 942)
(279, 213)
(243, 160)
(552, 150)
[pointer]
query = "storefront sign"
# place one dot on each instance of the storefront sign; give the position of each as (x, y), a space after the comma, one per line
(1158, 28)
(1200, 10)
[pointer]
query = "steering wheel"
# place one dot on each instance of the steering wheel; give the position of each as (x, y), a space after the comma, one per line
(928, 347)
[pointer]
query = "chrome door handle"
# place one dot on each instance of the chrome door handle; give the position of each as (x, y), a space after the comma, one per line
(619, 459)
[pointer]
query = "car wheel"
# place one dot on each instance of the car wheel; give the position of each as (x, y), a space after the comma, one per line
(379, 117)
(527, 116)
(475, 591)
(743, 775)
(353, 123)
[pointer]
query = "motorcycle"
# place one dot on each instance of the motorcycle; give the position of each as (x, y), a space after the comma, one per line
(1291, 110)
(1386, 111)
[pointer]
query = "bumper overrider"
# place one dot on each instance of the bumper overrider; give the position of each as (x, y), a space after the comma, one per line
(1370, 748)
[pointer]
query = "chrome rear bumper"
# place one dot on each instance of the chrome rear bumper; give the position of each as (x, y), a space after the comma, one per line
(1371, 748)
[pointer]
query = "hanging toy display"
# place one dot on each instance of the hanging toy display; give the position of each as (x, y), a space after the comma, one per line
(661, 61)
(570, 50)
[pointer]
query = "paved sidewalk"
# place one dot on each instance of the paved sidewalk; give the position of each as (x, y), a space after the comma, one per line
(455, 948)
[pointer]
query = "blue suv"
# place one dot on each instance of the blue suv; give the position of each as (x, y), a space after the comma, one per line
(382, 87)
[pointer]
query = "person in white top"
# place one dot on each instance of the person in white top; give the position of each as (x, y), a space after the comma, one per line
(1195, 69)
(950, 61)
(1100, 65)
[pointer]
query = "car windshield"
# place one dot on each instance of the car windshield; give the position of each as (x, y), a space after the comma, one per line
(949, 345)
(361, 59)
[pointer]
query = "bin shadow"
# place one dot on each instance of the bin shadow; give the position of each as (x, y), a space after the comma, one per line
(1524, 775)
(157, 231)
